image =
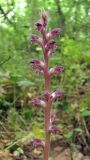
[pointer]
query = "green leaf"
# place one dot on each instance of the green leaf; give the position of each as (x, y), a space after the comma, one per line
(25, 83)
(86, 113)
(78, 130)
(69, 135)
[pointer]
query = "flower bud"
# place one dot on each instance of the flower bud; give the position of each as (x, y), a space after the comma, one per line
(44, 17)
(56, 70)
(38, 102)
(38, 143)
(54, 129)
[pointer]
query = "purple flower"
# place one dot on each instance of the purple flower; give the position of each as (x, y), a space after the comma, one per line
(56, 70)
(51, 51)
(55, 32)
(51, 44)
(39, 25)
(57, 94)
(37, 65)
(38, 143)
(46, 95)
(54, 129)
(37, 62)
(34, 38)
(38, 102)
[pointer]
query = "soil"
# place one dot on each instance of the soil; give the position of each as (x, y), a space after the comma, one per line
(60, 150)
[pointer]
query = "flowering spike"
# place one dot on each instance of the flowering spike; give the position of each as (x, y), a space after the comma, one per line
(38, 102)
(38, 143)
(48, 46)
(54, 129)
(56, 70)
(57, 94)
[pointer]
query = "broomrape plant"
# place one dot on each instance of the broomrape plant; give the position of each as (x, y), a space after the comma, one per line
(48, 46)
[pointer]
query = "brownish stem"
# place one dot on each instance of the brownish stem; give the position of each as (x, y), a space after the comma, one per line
(47, 134)
(48, 107)
(47, 112)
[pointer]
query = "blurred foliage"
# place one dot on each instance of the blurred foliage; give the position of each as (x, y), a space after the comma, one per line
(19, 84)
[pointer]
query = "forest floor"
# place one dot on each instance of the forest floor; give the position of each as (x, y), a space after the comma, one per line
(59, 151)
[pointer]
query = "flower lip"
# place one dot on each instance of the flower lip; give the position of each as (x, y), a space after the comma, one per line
(46, 95)
(54, 129)
(51, 51)
(51, 44)
(35, 61)
(59, 69)
(38, 143)
(55, 32)
(38, 102)
(37, 65)
(34, 38)
(54, 95)
(56, 70)
(57, 94)
(39, 25)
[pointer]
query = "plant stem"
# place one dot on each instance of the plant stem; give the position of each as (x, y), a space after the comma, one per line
(47, 112)
(47, 136)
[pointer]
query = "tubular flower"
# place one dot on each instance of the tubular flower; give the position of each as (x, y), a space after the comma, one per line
(38, 102)
(53, 33)
(38, 143)
(35, 38)
(51, 51)
(56, 70)
(54, 129)
(39, 25)
(37, 65)
(51, 44)
(57, 94)
(46, 95)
